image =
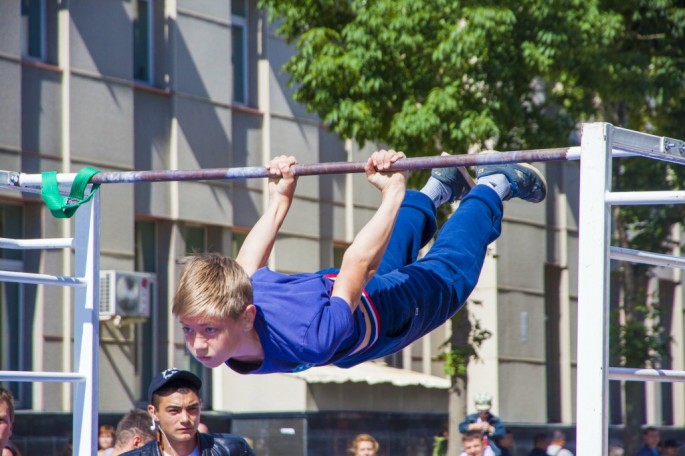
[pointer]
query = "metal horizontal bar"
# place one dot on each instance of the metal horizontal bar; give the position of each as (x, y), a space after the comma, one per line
(41, 279)
(26, 376)
(56, 243)
(530, 156)
(640, 256)
(574, 153)
(657, 147)
(646, 375)
(642, 198)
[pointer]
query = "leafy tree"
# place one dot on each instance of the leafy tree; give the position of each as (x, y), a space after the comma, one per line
(447, 75)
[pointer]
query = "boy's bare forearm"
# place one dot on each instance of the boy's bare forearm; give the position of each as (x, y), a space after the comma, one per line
(259, 242)
(370, 243)
(363, 256)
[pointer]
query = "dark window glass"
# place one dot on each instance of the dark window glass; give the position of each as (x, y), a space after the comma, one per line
(33, 28)
(239, 64)
(196, 240)
(142, 41)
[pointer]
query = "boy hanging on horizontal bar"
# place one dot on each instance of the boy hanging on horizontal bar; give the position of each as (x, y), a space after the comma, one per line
(256, 321)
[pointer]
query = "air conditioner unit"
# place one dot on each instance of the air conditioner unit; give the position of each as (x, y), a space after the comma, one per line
(125, 294)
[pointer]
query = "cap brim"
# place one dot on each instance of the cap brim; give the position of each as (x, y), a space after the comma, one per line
(183, 376)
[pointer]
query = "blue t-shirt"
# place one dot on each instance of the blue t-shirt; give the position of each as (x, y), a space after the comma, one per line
(299, 324)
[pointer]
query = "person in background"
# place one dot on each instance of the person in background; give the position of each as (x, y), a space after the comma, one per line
(105, 440)
(506, 443)
(174, 409)
(68, 449)
(6, 418)
(650, 436)
(556, 446)
(133, 431)
(488, 424)
(440, 442)
(475, 444)
(670, 447)
(540, 444)
(364, 445)
(11, 450)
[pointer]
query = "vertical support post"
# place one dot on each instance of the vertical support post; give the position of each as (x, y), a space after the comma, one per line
(171, 30)
(565, 336)
(64, 60)
(593, 294)
(87, 327)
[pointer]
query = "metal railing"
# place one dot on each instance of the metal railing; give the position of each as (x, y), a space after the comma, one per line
(599, 143)
(86, 247)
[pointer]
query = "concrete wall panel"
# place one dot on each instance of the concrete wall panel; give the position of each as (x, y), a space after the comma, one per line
(211, 8)
(102, 121)
(520, 245)
(41, 111)
(202, 203)
(517, 339)
(204, 135)
(117, 225)
(202, 71)
(117, 361)
(247, 206)
(246, 139)
(10, 98)
(307, 259)
(522, 397)
(10, 28)
(102, 37)
(289, 137)
(280, 93)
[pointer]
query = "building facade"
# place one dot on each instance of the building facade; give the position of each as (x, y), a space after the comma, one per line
(186, 84)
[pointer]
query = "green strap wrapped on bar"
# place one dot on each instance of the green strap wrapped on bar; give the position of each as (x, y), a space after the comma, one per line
(65, 207)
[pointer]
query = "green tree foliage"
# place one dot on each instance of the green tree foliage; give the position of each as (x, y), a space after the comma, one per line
(428, 76)
(446, 75)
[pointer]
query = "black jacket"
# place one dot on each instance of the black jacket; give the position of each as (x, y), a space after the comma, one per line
(210, 445)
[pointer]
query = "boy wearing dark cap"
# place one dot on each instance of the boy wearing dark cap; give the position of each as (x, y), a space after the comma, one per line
(175, 406)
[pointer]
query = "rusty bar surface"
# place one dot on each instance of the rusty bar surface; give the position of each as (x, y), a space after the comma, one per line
(30, 182)
(536, 155)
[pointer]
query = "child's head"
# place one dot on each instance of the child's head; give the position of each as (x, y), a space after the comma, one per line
(364, 445)
(212, 286)
(473, 443)
(106, 436)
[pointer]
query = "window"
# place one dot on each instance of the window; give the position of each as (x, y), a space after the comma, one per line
(145, 243)
(338, 254)
(15, 316)
(237, 243)
(143, 41)
(33, 29)
(239, 20)
(196, 240)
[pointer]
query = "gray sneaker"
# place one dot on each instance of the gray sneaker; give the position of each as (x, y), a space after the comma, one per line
(457, 179)
(526, 181)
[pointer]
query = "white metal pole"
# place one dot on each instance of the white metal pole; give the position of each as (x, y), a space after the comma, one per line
(593, 276)
(87, 327)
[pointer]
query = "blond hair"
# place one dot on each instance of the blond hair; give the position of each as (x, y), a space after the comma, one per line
(212, 286)
(364, 438)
